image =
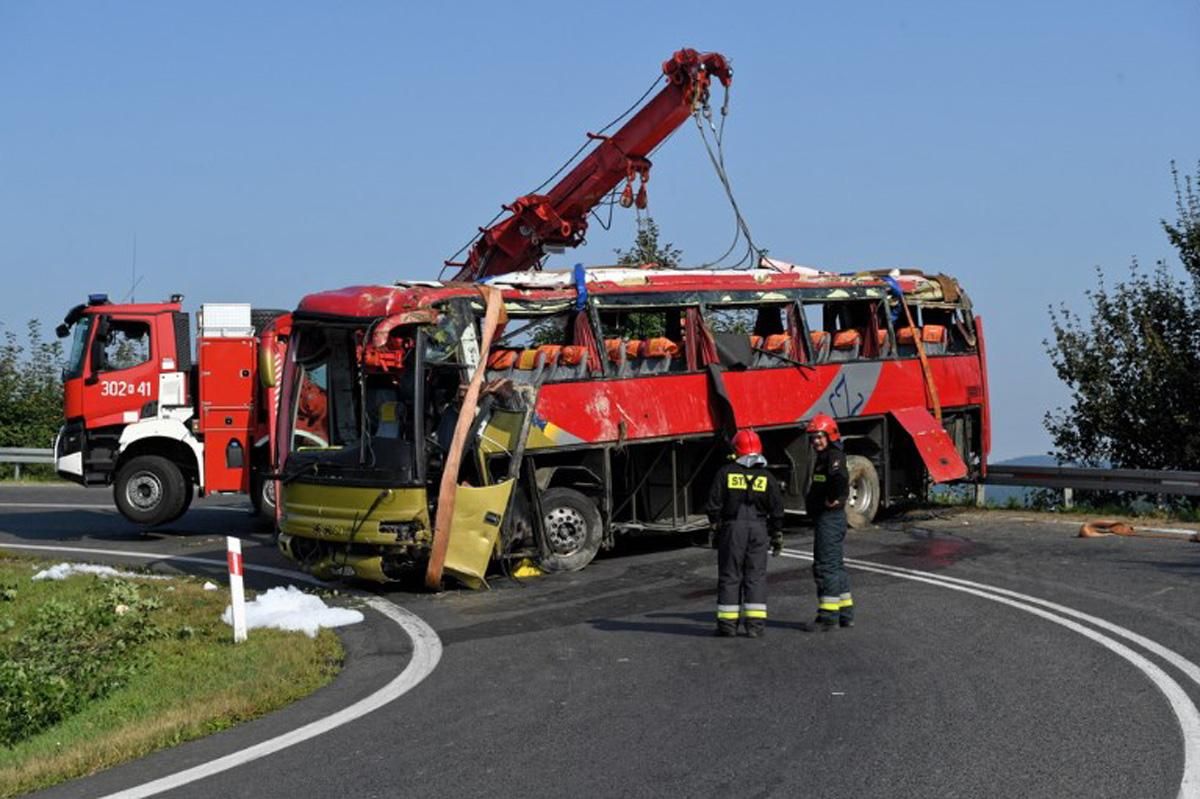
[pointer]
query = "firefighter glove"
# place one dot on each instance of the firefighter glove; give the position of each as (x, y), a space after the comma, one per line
(777, 544)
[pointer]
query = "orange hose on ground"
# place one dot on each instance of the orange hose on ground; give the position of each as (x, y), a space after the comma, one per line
(1103, 527)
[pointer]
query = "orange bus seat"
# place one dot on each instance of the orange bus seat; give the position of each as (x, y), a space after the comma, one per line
(500, 363)
(572, 355)
(846, 345)
(820, 341)
(551, 353)
(656, 354)
(883, 342)
(780, 343)
(572, 363)
(934, 339)
(528, 360)
(661, 348)
(502, 359)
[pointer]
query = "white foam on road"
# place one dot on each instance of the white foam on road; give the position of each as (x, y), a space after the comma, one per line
(292, 610)
(64, 570)
(1185, 710)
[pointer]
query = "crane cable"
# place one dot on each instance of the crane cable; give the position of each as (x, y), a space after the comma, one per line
(718, 161)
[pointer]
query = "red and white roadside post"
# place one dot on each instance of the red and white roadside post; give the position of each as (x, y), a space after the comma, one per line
(237, 592)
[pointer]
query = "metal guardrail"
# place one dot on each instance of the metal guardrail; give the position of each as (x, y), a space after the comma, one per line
(1144, 481)
(1069, 478)
(20, 455)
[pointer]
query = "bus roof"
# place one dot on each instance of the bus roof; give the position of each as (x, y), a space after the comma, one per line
(552, 286)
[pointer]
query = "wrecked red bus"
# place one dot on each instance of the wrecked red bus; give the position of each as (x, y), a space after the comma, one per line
(607, 396)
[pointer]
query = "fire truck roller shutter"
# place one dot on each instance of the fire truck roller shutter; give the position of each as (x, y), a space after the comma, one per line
(261, 317)
(183, 341)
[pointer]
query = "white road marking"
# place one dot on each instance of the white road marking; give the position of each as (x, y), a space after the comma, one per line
(427, 651)
(1185, 710)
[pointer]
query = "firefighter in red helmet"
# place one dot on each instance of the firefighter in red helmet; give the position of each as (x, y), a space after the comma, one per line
(746, 506)
(826, 504)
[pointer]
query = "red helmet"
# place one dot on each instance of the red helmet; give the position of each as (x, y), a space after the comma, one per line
(746, 442)
(823, 423)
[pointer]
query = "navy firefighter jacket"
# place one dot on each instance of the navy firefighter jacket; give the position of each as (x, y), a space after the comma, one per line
(736, 485)
(830, 480)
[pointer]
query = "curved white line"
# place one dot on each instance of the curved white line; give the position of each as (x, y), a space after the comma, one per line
(427, 651)
(1185, 710)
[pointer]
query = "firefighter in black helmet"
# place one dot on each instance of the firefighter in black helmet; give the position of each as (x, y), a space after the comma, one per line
(826, 504)
(746, 506)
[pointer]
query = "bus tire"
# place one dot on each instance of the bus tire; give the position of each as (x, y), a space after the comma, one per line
(863, 502)
(573, 530)
(150, 490)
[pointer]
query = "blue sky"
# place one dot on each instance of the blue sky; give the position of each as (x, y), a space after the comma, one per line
(262, 151)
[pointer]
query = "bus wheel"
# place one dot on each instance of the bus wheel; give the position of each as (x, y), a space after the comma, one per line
(863, 502)
(573, 530)
(150, 490)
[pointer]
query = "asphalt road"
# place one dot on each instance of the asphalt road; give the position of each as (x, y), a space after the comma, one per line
(607, 682)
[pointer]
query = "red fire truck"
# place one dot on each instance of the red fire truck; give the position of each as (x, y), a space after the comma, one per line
(144, 415)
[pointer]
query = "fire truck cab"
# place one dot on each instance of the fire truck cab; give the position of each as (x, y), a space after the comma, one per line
(144, 415)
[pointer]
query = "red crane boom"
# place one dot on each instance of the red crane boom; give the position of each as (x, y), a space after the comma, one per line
(559, 217)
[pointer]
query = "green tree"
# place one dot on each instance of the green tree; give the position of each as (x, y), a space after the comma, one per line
(1132, 364)
(31, 397)
(646, 251)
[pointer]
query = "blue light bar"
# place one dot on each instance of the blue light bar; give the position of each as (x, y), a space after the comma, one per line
(97, 299)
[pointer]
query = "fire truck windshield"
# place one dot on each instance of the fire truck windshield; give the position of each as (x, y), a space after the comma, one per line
(79, 342)
(353, 420)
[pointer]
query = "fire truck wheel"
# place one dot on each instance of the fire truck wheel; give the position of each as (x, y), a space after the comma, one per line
(863, 502)
(262, 497)
(573, 530)
(187, 500)
(150, 490)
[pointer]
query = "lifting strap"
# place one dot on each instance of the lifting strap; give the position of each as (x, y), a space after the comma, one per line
(926, 372)
(493, 317)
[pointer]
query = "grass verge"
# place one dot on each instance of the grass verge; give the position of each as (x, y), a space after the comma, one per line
(97, 672)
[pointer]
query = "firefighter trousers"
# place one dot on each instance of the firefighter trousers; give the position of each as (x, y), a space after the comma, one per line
(834, 603)
(742, 545)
